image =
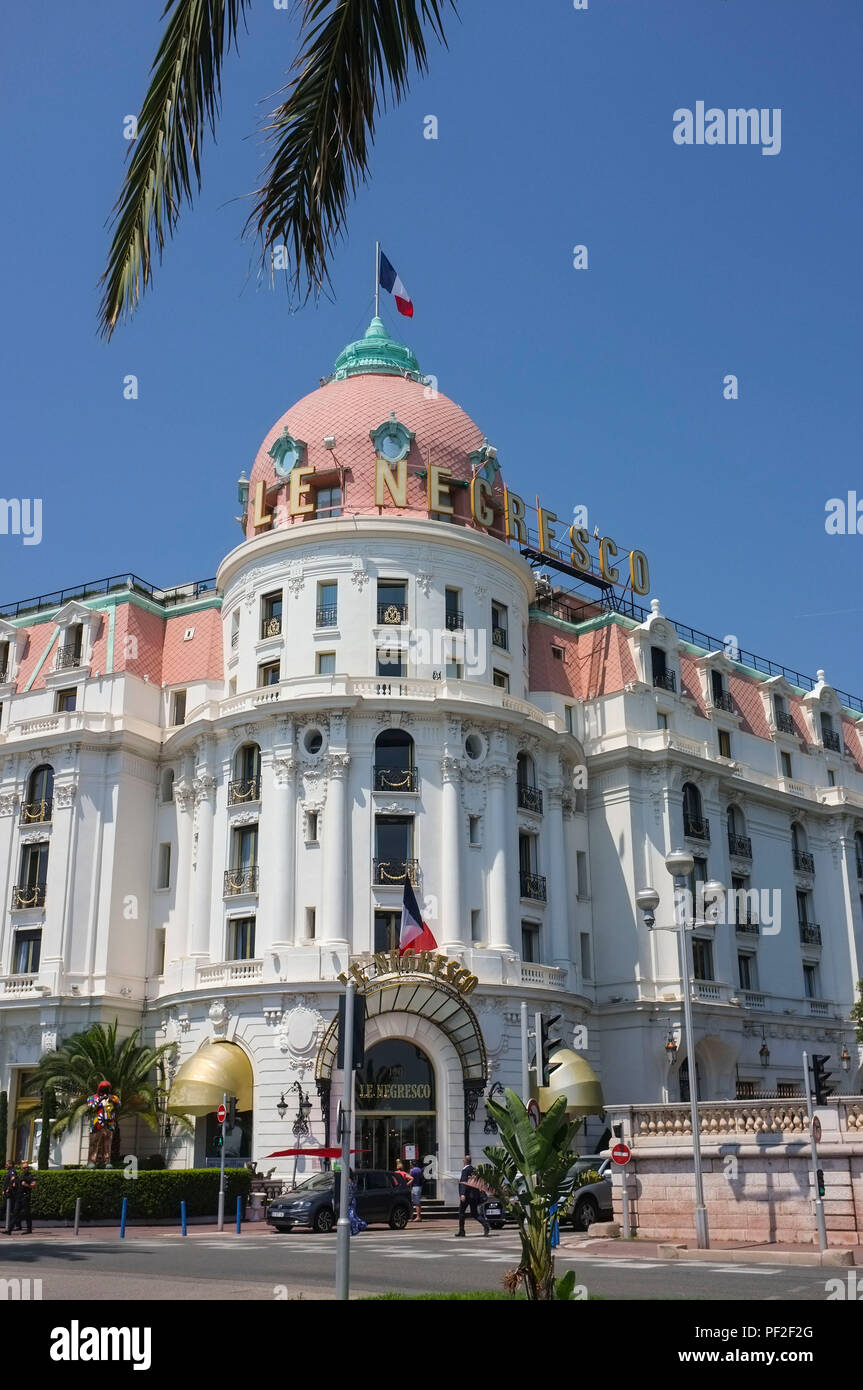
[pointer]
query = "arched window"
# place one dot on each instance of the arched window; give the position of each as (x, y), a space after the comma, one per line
(529, 795)
(394, 762)
(40, 795)
(167, 785)
(738, 841)
(803, 861)
(246, 784)
(829, 736)
(694, 824)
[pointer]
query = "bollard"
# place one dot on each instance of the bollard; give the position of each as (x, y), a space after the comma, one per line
(77, 1214)
(123, 1219)
(555, 1228)
(183, 1216)
(239, 1215)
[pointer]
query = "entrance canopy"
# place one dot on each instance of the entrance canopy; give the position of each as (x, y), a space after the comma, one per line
(216, 1069)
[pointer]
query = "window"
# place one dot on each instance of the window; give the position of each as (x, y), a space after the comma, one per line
(159, 952)
(663, 679)
(829, 736)
(328, 502)
(271, 614)
(387, 929)
(530, 941)
(581, 873)
(473, 823)
(742, 903)
(311, 925)
(782, 719)
(475, 924)
(745, 1090)
(661, 720)
(568, 719)
(69, 652)
(786, 1090)
(786, 764)
(702, 958)
(28, 947)
(803, 914)
(163, 879)
(268, 674)
(241, 938)
(30, 888)
(811, 983)
(501, 680)
(245, 847)
(392, 601)
(695, 882)
(694, 824)
(325, 663)
(4, 662)
(394, 849)
(454, 671)
(390, 662)
(67, 700)
(527, 853)
(39, 803)
(724, 743)
(167, 786)
(454, 618)
(312, 819)
(327, 612)
(586, 966)
(499, 626)
(858, 852)
(394, 762)
(831, 779)
(235, 629)
(716, 686)
(178, 707)
(747, 970)
(245, 784)
(557, 652)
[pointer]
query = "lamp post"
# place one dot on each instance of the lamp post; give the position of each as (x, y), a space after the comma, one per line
(680, 864)
(490, 1126)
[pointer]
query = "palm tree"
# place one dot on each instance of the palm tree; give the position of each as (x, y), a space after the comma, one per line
(75, 1068)
(353, 55)
(529, 1172)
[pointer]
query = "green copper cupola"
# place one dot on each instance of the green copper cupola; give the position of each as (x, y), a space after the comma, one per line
(378, 353)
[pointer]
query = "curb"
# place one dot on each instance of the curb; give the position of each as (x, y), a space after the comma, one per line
(842, 1259)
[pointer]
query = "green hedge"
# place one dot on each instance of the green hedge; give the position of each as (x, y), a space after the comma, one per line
(152, 1195)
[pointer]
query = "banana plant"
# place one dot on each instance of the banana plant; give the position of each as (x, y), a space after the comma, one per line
(528, 1170)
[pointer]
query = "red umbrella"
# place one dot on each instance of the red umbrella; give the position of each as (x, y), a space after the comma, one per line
(312, 1153)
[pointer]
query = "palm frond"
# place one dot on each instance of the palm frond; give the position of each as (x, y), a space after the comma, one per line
(355, 55)
(183, 99)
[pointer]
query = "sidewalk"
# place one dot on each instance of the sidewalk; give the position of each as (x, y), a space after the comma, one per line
(740, 1251)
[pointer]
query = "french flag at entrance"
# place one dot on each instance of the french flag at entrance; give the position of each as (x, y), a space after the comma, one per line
(414, 935)
(391, 282)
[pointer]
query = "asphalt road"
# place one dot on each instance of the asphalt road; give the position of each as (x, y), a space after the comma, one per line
(301, 1265)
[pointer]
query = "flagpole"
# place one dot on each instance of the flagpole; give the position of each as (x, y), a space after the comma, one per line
(377, 279)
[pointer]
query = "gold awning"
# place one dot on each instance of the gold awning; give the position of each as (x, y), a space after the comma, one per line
(216, 1069)
(575, 1079)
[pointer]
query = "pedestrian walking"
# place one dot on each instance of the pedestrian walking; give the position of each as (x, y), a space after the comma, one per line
(26, 1184)
(416, 1181)
(470, 1199)
(10, 1196)
(357, 1223)
(400, 1171)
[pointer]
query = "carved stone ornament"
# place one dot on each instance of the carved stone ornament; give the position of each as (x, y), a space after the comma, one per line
(393, 808)
(38, 837)
(64, 794)
(359, 576)
(284, 771)
(424, 580)
(251, 581)
(49, 1040)
(299, 1035)
(337, 765)
(480, 591)
(245, 818)
(184, 794)
(205, 786)
(8, 803)
(218, 1015)
(295, 581)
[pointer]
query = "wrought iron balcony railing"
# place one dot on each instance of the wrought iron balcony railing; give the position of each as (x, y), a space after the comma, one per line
(665, 680)
(66, 658)
(271, 627)
(741, 845)
(4, 675)
(784, 723)
(396, 779)
(244, 789)
(529, 798)
(722, 700)
(810, 934)
(241, 881)
(831, 740)
(34, 812)
(499, 638)
(235, 640)
(28, 895)
(695, 827)
(454, 620)
(390, 872)
(747, 928)
(803, 862)
(533, 886)
(392, 613)
(327, 615)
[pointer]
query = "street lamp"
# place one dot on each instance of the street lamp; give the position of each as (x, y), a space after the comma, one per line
(300, 1127)
(680, 864)
(845, 1059)
(671, 1048)
(282, 1107)
(764, 1052)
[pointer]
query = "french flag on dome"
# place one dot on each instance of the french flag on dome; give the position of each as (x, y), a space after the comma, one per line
(391, 282)
(414, 935)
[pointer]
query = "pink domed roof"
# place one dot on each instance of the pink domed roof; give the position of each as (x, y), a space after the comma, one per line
(349, 410)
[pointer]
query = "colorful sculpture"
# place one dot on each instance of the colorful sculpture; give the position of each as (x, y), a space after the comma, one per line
(103, 1108)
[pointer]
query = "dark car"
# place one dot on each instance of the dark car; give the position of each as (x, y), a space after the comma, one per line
(593, 1201)
(381, 1198)
(495, 1212)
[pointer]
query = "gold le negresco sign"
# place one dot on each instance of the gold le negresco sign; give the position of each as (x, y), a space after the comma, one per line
(448, 971)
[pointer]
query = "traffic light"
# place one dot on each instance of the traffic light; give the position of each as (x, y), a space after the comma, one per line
(821, 1078)
(359, 1033)
(219, 1139)
(819, 1176)
(545, 1045)
(232, 1112)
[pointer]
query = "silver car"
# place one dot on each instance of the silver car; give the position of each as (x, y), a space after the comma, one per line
(593, 1201)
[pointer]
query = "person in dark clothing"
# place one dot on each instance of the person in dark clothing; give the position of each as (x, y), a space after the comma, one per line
(26, 1184)
(470, 1199)
(10, 1195)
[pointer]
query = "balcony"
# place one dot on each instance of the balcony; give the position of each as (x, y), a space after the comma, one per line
(665, 680)
(695, 827)
(392, 614)
(499, 638)
(831, 741)
(747, 928)
(803, 862)
(396, 779)
(533, 886)
(529, 798)
(544, 976)
(819, 1007)
(784, 723)
(454, 620)
(739, 845)
(243, 790)
(36, 812)
(271, 627)
(28, 895)
(327, 616)
(241, 881)
(67, 658)
(751, 1000)
(810, 934)
(388, 873)
(231, 972)
(722, 700)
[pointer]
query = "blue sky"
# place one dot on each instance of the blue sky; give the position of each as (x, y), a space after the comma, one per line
(601, 386)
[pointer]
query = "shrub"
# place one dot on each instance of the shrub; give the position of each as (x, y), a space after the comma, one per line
(152, 1196)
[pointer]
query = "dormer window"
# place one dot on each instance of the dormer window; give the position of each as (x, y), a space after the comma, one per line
(663, 678)
(721, 697)
(69, 652)
(782, 719)
(829, 736)
(4, 662)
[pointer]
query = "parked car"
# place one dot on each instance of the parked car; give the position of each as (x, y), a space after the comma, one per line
(382, 1198)
(593, 1201)
(495, 1212)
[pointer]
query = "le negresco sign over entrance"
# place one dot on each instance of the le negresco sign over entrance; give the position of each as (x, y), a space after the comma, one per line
(450, 972)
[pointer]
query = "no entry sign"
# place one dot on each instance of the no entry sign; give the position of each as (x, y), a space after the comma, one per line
(221, 1114)
(621, 1153)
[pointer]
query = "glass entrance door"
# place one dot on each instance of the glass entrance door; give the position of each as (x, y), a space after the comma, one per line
(386, 1137)
(396, 1112)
